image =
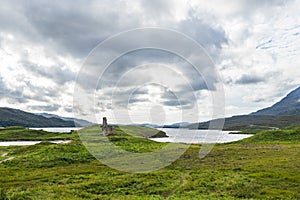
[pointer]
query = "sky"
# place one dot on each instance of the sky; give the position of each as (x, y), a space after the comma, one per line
(250, 53)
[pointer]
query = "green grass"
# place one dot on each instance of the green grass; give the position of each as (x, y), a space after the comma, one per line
(129, 138)
(249, 131)
(139, 131)
(291, 135)
(16, 133)
(265, 166)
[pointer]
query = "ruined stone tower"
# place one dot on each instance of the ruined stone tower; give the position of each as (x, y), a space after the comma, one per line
(107, 130)
(104, 124)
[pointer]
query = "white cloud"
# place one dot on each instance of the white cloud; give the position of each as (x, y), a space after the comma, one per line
(255, 45)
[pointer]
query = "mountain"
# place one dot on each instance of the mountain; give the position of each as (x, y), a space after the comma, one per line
(15, 117)
(146, 125)
(78, 122)
(244, 122)
(176, 125)
(290, 105)
(282, 114)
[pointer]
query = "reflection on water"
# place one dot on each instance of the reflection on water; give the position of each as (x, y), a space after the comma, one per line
(199, 136)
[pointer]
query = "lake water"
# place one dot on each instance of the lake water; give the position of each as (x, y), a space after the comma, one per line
(26, 143)
(51, 129)
(58, 129)
(199, 136)
(175, 135)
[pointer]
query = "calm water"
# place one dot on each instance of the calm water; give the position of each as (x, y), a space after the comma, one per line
(175, 135)
(54, 130)
(58, 129)
(199, 136)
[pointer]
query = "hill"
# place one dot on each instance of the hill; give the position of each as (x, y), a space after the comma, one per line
(282, 114)
(240, 170)
(15, 117)
(244, 122)
(291, 135)
(290, 105)
(16, 133)
(79, 122)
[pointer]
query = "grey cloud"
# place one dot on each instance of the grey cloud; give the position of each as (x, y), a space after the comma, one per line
(68, 109)
(122, 98)
(13, 96)
(129, 61)
(102, 107)
(116, 96)
(140, 91)
(137, 100)
(41, 94)
(55, 73)
(181, 99)
(70, 28)
(265, 5)
(124, 64)
(169, 95)
(171, 103)
(12, 21)
(203, 33)
(192, 78)
(49, 108)
(77, 27)
(13, 100)
(259, 100)
(157, 8)
(37, 93)
(249, 79)
(197, 82)
(180, 104)
(2, 86)
(137, 96)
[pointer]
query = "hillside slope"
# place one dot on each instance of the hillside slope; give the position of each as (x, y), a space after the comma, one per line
(244, 122)
(290, 105)
(15, 117)
(282, 114)
(79, 122)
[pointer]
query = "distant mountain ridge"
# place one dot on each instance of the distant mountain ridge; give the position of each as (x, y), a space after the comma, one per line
(78, 122)
(15, 117)
(244, 122)
(282, 114)
(174, 125)
(290, 105)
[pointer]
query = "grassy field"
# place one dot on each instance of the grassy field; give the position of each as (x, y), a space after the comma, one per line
(265, 166)
(17, 133)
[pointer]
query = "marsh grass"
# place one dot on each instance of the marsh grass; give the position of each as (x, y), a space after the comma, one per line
(16, 133)
(265, 166)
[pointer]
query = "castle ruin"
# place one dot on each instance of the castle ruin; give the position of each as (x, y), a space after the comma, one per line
(106, 129)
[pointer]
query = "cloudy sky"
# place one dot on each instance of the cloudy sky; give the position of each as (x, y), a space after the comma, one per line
(45, 46)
